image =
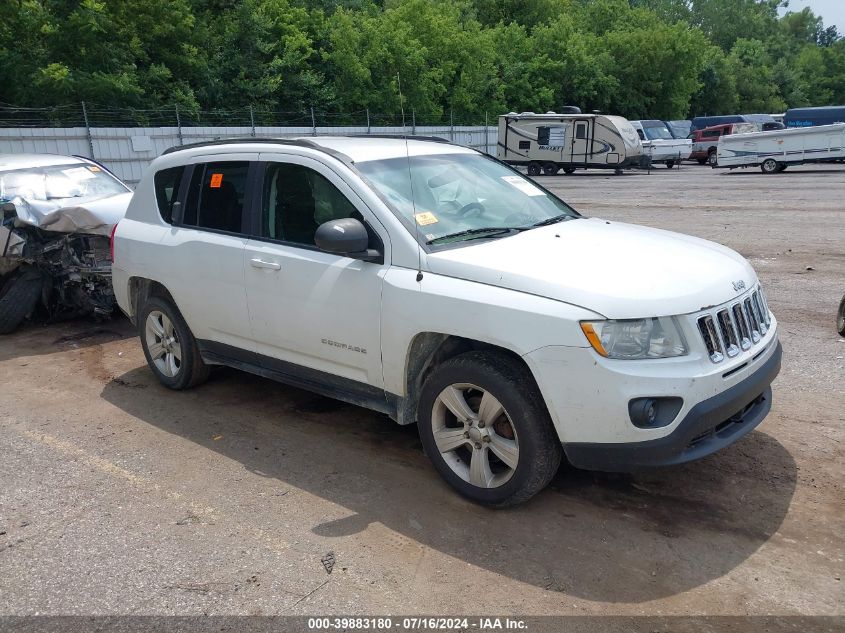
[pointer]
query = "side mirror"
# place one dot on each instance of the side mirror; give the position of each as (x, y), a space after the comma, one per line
(346, 236)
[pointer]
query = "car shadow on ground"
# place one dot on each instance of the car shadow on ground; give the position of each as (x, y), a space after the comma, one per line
(30, 340)
(601, 537)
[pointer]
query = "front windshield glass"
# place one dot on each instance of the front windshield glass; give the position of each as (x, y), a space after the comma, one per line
(461, 195)
(658, 133)
(59, 182)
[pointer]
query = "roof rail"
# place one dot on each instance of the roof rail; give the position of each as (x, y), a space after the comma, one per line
(410, 137)
(248, 139)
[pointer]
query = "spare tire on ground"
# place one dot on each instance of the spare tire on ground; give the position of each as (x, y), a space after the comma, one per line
(19, 294)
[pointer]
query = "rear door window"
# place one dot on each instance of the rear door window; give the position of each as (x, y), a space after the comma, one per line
(216, 196)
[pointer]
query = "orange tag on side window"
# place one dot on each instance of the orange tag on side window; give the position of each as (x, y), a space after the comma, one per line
(216, 181)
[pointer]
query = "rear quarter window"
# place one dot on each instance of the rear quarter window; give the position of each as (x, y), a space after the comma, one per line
(167, 183)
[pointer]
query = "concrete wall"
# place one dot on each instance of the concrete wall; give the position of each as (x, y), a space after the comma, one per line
(128, 150)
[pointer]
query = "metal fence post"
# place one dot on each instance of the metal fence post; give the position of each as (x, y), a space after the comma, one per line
(368, 121)
(413, 122)
(486, 135)
(313, 123)
(451, 126)
(88, 130)
(179, 126)
(252, 119)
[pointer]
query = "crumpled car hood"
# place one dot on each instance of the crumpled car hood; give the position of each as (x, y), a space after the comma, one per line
(96, 217)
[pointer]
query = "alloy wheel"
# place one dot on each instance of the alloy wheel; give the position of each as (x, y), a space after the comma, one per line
(475, 435)
(163, 344)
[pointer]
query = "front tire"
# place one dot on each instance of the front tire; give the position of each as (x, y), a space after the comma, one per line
(18, 297)
(534, 169)
(486, 429)
(169, 345)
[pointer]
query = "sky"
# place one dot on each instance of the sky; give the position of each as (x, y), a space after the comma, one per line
(832, 11)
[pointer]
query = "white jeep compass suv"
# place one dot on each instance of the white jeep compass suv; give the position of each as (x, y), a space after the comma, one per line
(435, 284)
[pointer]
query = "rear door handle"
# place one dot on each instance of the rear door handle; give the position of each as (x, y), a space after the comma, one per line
(260, 263)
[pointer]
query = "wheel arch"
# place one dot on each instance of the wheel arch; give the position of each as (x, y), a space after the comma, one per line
(140, 289)
(428, 350)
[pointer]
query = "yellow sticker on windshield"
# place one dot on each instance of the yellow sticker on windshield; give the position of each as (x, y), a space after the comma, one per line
(425, 218)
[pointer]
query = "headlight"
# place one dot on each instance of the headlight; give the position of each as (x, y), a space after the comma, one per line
(629, 339)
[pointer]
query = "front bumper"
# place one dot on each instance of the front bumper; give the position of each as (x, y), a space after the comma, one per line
(708, 427)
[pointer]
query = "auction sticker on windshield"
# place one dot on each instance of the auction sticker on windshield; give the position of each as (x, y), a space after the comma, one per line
(425, 218)
(523, 185)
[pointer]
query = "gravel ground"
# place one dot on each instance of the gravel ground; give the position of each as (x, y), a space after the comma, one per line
(118, 496)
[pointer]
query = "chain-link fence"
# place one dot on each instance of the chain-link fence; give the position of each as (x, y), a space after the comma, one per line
(127, 139)
(84, 114)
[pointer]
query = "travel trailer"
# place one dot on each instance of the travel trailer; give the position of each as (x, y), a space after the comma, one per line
(547, 143)
(774, 151)
(660, 145)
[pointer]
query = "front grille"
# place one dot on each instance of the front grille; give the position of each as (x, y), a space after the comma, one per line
(735, 328)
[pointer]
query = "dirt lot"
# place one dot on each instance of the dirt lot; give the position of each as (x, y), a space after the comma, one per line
(119, 496)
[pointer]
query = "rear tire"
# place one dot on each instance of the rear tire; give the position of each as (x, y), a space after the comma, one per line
(534, 169)
(769, 166)
(840, 318)
(568, 170)
(670, 164)
(18, 297)
(701, 161)
(169, 346)
(712, 159)
(550, 169)
(486, 429)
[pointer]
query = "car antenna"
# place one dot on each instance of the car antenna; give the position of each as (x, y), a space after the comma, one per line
(411, 183)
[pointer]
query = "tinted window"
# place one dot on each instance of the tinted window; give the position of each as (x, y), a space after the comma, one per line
(581, 130)
(167, 183)
(296, 200)
(216, 196)
(641, 135)
(710, 134)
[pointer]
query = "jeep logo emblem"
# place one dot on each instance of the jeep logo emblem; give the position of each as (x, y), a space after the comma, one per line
(739, 285)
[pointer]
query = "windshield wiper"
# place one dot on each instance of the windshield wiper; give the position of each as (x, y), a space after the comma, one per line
(475, 234)
(553, 220)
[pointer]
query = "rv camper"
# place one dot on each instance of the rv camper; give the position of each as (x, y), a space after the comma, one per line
(774, 151)
(546, 143)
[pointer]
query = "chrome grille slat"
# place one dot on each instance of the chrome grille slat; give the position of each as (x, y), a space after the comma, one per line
(711, 338)
(729, 337)
(752, 320)
(735, 327)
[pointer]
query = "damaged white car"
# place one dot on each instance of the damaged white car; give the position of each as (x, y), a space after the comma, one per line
(58, 213)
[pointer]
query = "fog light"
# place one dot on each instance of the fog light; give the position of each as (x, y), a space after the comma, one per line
(650, 413)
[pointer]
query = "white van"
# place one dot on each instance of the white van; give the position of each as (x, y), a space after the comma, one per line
(436, 284)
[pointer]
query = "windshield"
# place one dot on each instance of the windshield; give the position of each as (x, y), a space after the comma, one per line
(59, 182)
(461, 194)
(658, 133)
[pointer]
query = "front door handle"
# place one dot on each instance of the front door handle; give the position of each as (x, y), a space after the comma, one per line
(260, 263)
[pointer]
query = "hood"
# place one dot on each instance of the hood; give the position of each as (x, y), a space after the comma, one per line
(621, 271)
(96, 216)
